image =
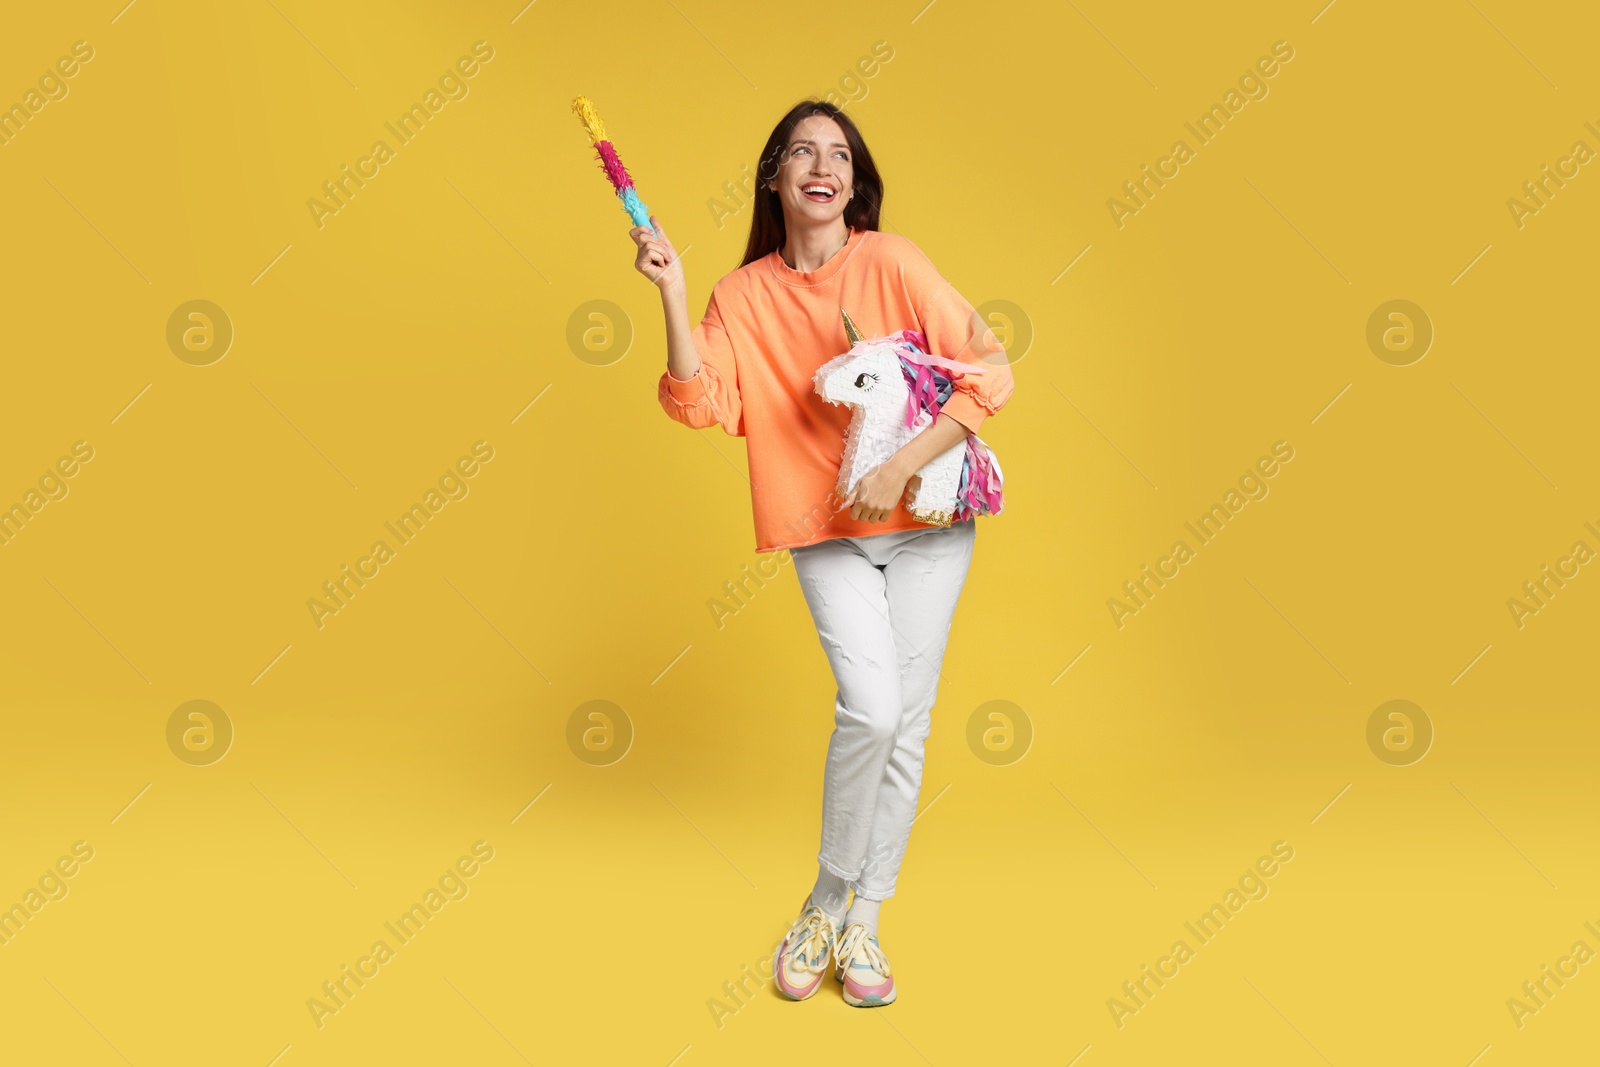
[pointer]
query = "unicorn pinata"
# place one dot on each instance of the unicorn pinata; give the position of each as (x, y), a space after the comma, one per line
(896, 388)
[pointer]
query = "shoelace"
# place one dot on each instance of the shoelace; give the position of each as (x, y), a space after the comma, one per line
(817, 936)
(855, 940)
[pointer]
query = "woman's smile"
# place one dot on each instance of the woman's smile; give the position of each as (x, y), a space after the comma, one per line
(816, 168)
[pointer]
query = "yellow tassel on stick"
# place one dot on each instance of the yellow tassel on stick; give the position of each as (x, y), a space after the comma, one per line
(590, 119)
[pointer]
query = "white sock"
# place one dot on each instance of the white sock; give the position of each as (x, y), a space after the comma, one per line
(830, 894)
(865, 912)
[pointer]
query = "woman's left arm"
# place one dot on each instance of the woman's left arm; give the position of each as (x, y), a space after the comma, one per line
(954, 329)
(945, 433)
(880, 491)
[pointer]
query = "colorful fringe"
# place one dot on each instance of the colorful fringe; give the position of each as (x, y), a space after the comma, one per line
(611, 163)
(931, 387)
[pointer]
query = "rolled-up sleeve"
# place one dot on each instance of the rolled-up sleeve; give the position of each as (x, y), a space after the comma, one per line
(956, 331)
(712, 394)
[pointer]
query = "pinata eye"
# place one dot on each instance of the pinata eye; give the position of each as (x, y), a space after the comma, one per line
(863, 379)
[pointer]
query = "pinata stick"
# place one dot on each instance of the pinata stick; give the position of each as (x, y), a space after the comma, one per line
(611, 164)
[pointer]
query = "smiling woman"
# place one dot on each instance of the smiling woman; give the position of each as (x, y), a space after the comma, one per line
(846, 170)
(881, 585)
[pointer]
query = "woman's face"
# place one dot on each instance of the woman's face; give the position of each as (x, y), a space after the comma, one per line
(816, 176)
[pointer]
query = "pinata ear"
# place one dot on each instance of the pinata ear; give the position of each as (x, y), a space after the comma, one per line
(850, 330)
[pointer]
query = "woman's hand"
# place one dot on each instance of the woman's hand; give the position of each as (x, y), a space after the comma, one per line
(657, 259)
(878, 492)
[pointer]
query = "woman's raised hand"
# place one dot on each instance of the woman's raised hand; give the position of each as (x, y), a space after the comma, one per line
(657, 259)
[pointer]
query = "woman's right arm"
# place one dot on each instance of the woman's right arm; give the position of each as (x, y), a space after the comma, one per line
(658, 261)
(696, 392)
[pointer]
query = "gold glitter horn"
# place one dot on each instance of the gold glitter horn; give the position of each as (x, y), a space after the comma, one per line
(850, 330)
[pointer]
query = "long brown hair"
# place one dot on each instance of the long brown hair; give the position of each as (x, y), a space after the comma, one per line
(766, 221)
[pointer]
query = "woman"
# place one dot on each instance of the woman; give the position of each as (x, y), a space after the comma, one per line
(882, 587)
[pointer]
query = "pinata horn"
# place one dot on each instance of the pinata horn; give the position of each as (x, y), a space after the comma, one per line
(850, 330)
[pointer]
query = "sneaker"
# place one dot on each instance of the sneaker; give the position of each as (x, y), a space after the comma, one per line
(798, 964)
(863, 968)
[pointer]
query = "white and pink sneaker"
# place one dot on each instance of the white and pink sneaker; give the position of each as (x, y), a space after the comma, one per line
(803, 956)
(862, 968)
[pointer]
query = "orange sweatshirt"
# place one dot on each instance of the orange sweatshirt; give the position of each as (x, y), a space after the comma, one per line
(767, 329)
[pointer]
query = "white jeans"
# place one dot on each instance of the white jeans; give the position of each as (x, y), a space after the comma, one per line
(882, 604)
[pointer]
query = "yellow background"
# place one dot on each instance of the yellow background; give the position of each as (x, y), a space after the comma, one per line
(431, 310)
